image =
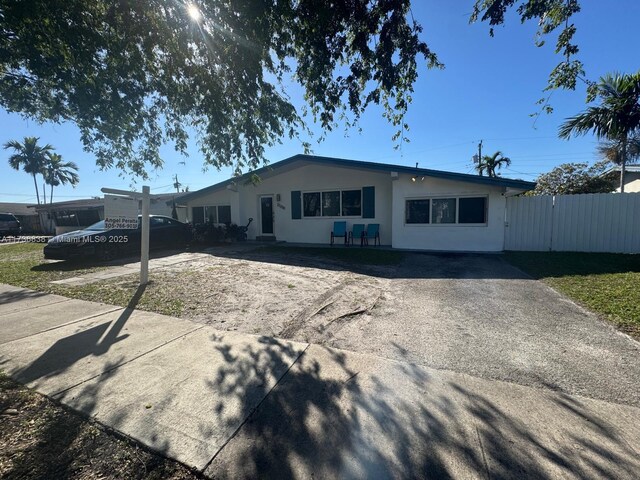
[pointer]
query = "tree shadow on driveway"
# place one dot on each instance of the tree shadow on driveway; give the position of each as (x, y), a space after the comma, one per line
(337, 415)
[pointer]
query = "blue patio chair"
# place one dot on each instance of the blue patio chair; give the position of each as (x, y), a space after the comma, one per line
(357, 232)
(339, 230)
(372, 231)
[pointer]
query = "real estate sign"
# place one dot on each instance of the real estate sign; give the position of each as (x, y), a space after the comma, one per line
(120, 212)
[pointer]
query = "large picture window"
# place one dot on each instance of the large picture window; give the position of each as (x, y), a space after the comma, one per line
(332, 203)
(212, 214)
(453, 210)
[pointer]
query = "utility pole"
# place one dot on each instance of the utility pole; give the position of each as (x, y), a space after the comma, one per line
(176, 183)
(480, 151)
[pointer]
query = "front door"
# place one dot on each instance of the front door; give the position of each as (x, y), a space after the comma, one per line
(266, 214)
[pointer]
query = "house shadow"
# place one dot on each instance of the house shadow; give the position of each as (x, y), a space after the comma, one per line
(403, 265)
(328, 419)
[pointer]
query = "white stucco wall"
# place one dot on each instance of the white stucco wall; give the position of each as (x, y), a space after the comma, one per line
(305, 177)
(314, 177)
(631, 182)
(224, 196)
(390, 196)
(449, 237)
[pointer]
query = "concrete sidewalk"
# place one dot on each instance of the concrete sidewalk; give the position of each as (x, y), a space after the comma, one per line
(235, 405)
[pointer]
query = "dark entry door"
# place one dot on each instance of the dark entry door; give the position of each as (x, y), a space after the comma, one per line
(266, 214)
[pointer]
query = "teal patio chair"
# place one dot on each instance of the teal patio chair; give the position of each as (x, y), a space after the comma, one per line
(357, 232)
(372, 231)
(339, 230)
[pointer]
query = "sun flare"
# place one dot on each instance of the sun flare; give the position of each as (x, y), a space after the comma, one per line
(194, 12)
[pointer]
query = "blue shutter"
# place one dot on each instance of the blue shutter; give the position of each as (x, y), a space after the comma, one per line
(368, 202)
(296, 205)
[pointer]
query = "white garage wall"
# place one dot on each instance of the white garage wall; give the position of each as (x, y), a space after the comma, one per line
(480, 238)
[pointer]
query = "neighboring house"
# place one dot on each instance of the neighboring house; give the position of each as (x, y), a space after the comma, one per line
(27, 216)
(631, 178)
(298, 199)
(162, 204)
(61, 217)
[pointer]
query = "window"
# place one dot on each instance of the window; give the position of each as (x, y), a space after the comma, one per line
(417, 211)
(330, 204)
(351, 203)
(224, 214)
(334, 203)
(212, 214)
(311, 204)
(463, 210)
(197, 214)
(473, 210)
(443, 210)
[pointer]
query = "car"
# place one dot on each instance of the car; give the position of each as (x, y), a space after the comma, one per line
(9, 225)
(101, 243)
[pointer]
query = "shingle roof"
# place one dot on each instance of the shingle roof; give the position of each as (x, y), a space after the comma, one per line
(384, 167)
(17, 208)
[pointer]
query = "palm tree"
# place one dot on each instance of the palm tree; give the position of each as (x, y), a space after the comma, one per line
(57, 172)
(30, 156)
(611, 150)
(490, 163)
(616, 119)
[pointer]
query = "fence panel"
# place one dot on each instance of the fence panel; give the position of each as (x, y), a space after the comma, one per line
(529, 223)
(603, 222)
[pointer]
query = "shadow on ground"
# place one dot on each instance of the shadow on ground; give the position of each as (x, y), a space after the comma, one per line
(19, 295)
(341, 418)
(67, 351)
(404, 265)
(88, 262)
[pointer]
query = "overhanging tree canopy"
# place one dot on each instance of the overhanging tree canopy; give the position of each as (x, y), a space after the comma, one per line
(136, 74)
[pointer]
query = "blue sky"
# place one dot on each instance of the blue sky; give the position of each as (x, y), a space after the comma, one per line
(487, 91)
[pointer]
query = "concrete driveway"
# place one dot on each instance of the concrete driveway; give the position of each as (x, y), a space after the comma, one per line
(472, 314)
(233, 405)
(477, 314)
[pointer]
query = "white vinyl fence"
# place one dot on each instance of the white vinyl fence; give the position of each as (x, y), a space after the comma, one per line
(602, 222)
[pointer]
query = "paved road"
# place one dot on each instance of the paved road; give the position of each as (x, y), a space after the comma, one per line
(240, 406)
(478, 315)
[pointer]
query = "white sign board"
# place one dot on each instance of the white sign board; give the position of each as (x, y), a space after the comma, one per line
(120, 212)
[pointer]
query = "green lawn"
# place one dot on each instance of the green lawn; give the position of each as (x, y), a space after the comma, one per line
(23, 265)
(608, 284)
(354, 255)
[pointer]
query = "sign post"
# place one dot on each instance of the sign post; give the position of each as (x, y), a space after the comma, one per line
(144, 251)
(122, 212)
